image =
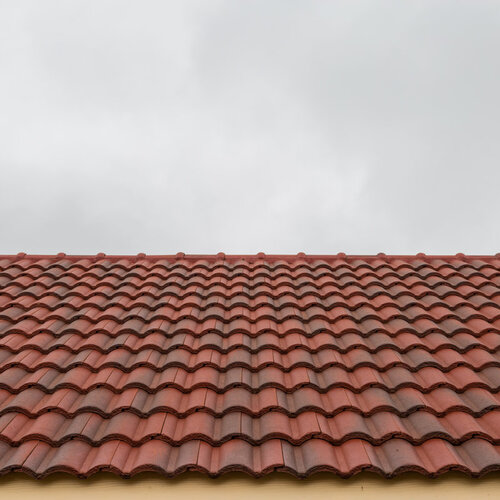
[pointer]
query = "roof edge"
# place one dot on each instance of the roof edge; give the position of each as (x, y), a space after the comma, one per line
(250, 257)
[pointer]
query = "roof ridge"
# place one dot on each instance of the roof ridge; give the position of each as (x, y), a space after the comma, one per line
(258, 256)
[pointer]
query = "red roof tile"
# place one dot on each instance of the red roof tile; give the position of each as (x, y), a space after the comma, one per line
(252, 363)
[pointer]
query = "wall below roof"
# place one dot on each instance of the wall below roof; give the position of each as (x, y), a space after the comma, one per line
(150, 486)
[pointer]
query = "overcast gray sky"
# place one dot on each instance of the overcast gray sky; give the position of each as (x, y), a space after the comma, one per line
(246, 126)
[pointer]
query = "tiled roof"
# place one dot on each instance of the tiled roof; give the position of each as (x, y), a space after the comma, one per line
(252, 363)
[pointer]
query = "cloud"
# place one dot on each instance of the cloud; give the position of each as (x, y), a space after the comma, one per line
(279, 126)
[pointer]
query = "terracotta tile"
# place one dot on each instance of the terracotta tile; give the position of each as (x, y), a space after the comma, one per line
(69, 457)
(152, 455)
(237, 454)
(12, 459)
(190, 455)
(109, 456)
(12, 425)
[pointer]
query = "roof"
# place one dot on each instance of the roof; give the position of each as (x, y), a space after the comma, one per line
(253, 363)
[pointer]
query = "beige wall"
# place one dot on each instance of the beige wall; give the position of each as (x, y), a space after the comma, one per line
(241, 487)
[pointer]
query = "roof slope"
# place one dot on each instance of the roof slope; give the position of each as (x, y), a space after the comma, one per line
(253, 363)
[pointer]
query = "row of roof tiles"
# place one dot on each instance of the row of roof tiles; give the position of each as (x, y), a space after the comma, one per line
(34, 402)
(140, 327)
(80, 378)
(94, 360)
(435, 456)
(265, 343)
(246, 278)
(418, 427)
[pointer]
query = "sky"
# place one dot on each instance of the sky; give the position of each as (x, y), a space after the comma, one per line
(246, 126)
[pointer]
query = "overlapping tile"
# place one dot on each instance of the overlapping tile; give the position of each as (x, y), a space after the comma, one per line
(252, 363)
